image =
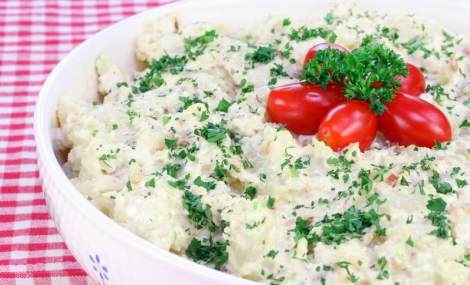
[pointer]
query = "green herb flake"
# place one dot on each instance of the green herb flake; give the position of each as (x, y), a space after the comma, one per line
(262, 54)
(150, 183)
(437, 207)
(199, 213)
(465, 124)
(195, 47)
(382, 263)
(213, 133)
(129, 186)
(250, 192)
(171, 143)
(223, 106)
(270, 202)
(208, 185)
(303, 33)
(286, 22)
(208, 251)
(272, 253)
(172, 169)
(410, 242)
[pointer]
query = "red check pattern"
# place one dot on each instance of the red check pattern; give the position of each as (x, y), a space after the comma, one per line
(34, 36)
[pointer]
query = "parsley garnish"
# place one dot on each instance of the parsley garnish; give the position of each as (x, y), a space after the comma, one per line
(465, 124)
(303, 33)
(213, 133)
(153, 77)
(180, 184)
(150, 183)
(272, 253)
(270, 202)
(223, 106)
(199, 214)
(437, 91)
(172, 169)
(171, 143)
(208, 185)
(351, 224)
(208, 251)
(286, 22)
(250, 192)
(194, 47)
(372, 72)
(383, 274)
(220, 172)
(263, 54)
(437, 207)
(441, 187)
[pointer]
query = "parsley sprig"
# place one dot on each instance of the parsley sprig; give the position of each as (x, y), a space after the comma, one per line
(368, 73)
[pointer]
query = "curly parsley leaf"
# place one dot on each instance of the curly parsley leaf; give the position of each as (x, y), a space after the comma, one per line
(369, 72)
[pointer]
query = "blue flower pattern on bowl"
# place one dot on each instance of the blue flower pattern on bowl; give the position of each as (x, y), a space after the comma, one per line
(100, 269)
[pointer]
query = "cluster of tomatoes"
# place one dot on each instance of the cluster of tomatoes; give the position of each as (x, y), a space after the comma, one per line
(307, 109)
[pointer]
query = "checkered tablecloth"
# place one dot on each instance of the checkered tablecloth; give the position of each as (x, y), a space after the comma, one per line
(34, 36)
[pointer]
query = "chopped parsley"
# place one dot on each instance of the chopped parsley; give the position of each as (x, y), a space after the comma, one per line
(272, 253)
(150, 183)
(415, 44)
(208, 185)
(437, 208)
(304, 33)
(382, 263)
(194, 47)
(213, 133)
(437, 91)
(465, 124)
(172, 169)
(220, 172)
(341, 227)
(441, 187)
(223, 106)
(171, 143)
(180, 184)
(250, 192)
(262, 54)
(153, 77)
(286, 22)
(270, 202)
(208, 251)
(199, 213)
(410, 242)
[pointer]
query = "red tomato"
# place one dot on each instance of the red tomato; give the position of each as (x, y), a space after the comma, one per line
(301, 106)
(318, 47)
(414, 83)
(410, 120)
(348, 123)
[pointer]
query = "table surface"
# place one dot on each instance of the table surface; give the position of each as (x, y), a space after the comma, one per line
(34, 36)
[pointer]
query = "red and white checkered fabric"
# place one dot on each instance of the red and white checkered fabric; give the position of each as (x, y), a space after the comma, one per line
(34, 36)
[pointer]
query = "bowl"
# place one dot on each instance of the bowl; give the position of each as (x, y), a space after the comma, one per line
(109, 253)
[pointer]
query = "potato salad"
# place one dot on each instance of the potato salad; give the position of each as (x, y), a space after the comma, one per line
(326, 149)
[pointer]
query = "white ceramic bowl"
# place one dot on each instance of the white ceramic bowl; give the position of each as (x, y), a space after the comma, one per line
(108, 252)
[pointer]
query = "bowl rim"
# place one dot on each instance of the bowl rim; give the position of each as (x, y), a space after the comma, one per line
(45, 152)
